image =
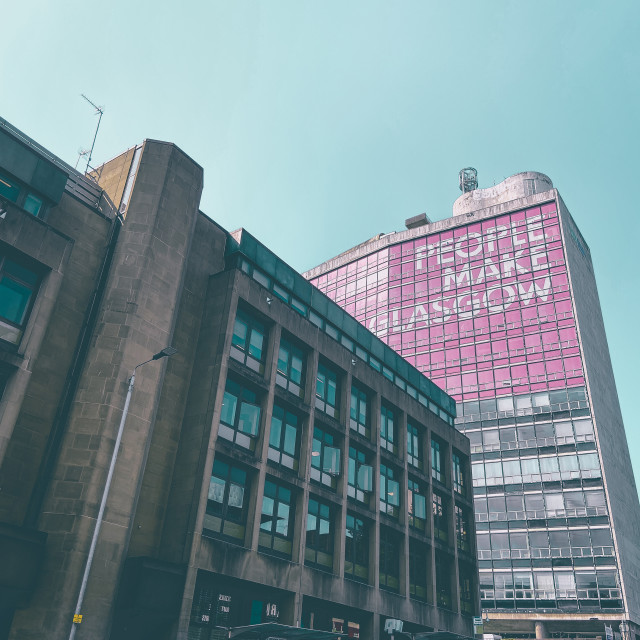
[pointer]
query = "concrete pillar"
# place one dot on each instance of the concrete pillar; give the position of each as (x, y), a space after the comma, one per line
(541, 630)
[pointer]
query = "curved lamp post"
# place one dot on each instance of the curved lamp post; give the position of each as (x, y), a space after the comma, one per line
(77, 617)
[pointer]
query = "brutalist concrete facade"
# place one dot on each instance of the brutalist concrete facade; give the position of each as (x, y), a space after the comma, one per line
(499, 306)
(284, 465)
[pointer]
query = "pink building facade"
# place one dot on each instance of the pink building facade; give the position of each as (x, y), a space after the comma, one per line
(498, 306)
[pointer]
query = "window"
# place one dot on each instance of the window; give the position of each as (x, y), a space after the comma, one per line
(465, 575)
(276, 522)
(417, 570)
(359, 416)
(290, 372)
(462, 529)
(459, 484)
(18, 286)
(283, 438)
(248, 341)
(388, 438)
(360, 481)
(226, 514)
(327, 398)
(356, 551)
(389, 568)
(436, 460)
(389, 491)
(319, 543)
(13, 191)
(416, 506)
(325, 458)
(9, 189)
(240, 415)
(443, 581)
(440, 525)
(414, 446)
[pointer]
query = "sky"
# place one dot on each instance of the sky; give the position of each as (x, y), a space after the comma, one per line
(322, 124)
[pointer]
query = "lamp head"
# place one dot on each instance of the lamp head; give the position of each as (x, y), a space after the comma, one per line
(165, 353)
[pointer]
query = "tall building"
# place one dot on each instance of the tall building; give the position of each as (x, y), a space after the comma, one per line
(498, 305)
(285, 466)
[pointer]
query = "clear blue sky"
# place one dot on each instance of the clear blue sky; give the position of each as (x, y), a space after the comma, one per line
(320, 124)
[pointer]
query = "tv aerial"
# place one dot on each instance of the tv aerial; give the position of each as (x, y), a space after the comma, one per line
(89, 152)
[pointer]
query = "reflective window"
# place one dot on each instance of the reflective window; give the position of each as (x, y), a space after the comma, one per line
(319, 541)
(327, 397)
(240, 415)
(356, 551)
(389, 561)
(359, 411)
(283, 437)
(360, 481)
(388, 436)
(290, 371)
(417, 505)
(418, 572)
(18, 286)
(389, 491)
(325, 458)
(436, 460)
(226, 514)
(276, 521)
(459, 484)
(414, 445)
(440, 518)
(248, 342)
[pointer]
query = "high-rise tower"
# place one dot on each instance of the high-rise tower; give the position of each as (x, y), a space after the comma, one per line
(499, 306)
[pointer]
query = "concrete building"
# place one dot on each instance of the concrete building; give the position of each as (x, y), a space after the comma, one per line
(286, 465)
(498, 305)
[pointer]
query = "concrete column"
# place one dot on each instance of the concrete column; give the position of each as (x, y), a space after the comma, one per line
(541, 630)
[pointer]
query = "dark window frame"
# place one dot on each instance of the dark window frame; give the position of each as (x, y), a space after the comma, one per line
(270, 539)
(280, 451)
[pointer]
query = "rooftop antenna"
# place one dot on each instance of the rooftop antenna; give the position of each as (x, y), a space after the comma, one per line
(468, 179)
(99, 110)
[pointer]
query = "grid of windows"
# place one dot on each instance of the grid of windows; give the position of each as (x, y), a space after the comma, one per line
(276, 521)
(359, 414)
(414, 445)
(360, 479)
(18, 286)
(502, 280)
(586, 588)
(319, 540)
(240, 415)
(389, 559)
(290, 371)
(325, 458)
(327, 398)
(388, 435)
(226, 514)
(248, 341)
(283, 437)
(356, 550)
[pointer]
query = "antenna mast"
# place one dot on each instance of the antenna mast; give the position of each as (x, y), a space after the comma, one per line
(99, 110)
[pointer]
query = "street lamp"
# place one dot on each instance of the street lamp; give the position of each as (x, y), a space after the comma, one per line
(77, 617)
